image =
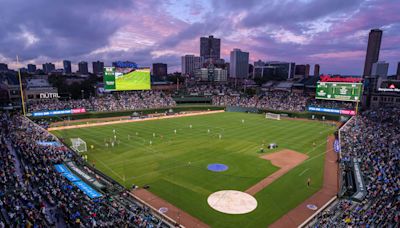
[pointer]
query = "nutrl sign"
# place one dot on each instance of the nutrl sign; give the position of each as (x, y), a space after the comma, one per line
(49, 95)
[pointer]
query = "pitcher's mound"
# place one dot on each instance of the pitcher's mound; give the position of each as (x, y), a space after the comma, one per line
(232, 202)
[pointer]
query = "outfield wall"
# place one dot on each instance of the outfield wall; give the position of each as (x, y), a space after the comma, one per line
(89, 115)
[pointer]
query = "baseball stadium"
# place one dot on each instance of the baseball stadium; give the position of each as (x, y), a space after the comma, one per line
(208, 155)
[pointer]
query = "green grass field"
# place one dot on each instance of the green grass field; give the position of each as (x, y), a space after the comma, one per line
(136, 80)
(164, 165)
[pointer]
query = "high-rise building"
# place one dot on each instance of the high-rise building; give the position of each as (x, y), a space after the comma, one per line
(275, 70)
(307, 70)
(98, 67)
(380, 69)
(239, 64)
(83, 67)
(190, 63)
(316, 70)
(48, 67)
(67, 66)
(160, 70)
(300, 70)
(398, 71)
(211, 74)
(220, 75)
(210, 48)
(31, 68)
(374, 45)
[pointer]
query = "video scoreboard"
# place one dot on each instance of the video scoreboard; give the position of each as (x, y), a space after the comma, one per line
(341, 91)
(126, 77)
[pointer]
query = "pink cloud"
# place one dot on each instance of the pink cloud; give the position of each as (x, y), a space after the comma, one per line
(340, 55)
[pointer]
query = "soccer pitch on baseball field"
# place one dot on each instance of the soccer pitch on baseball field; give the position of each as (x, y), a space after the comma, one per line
(136, 80)
(174, 165)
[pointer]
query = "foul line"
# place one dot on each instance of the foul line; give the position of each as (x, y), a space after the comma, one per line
(301, 174)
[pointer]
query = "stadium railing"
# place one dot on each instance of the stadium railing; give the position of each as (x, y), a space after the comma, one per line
(321, 209)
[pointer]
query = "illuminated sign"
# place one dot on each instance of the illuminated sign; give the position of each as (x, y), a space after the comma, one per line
(341, 91)
(389, 86)
(336, 146)
(49, 95)
(332, 111)
(125, 64)
(59, 112)
(328, 78)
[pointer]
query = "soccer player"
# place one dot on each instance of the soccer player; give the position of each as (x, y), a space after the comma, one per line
(308, 182)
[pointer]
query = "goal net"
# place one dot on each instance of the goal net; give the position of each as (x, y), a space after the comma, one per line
(273, 116)
(78, 145)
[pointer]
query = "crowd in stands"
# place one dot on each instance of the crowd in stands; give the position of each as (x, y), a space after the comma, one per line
(332, 104)
(222, 95)
(277, 100)
(34, 194)
(208, 90)
(109, 102)
(374, 139)
(18, 206)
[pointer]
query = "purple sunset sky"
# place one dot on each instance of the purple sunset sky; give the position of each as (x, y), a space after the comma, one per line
(332, 33)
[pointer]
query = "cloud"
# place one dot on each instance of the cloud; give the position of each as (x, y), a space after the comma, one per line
(332, 33)
(57, 29)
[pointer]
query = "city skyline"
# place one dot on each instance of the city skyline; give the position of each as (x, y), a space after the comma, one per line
(331, 34)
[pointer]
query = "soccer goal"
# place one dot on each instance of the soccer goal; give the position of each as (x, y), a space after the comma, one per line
(78, 145)
(274, 116)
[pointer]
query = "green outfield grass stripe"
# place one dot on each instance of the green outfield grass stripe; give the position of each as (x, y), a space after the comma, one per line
(175, 166)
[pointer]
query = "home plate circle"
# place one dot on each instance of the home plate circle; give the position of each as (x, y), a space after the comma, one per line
(232, 202)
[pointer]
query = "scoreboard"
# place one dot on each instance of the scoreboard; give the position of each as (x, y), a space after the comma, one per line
(340, 91)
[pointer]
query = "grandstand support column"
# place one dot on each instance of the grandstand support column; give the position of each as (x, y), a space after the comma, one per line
(20, 88)
(357, 104)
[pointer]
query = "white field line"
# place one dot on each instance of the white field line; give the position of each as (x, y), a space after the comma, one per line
(301, 174)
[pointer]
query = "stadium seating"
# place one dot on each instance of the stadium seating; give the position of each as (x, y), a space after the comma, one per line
(34, 194)
(374, 139)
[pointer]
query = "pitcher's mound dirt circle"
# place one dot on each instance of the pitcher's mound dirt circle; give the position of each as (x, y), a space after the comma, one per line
(232, 202)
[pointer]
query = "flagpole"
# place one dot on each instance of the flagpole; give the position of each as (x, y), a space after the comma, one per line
(20, 88)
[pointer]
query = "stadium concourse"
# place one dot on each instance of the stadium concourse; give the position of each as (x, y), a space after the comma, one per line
(33, 193)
